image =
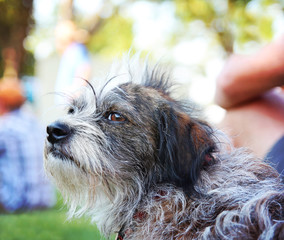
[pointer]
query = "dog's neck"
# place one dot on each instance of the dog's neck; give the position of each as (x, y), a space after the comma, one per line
(125, 232)
(123, 216)
(139, 217)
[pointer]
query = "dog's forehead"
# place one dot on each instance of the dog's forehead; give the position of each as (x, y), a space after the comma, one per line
(132, 96)
(128, 86)
(127, 96)
(140, 90)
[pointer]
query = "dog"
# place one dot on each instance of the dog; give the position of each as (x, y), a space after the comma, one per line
(145, 165)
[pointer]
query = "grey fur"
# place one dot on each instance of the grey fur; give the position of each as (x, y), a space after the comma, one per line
(112, 171)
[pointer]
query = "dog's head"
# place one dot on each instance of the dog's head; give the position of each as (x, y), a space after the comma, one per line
(124, 141)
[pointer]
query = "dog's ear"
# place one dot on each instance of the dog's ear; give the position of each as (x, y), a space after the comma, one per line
(185, 147)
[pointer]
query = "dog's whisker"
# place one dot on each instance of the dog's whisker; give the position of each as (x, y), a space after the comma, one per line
(92, 88)
(108, 81)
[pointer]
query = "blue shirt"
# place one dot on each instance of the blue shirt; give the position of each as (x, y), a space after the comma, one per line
(23, 184)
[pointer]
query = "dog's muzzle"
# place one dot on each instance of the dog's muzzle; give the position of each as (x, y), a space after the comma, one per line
(57, 132)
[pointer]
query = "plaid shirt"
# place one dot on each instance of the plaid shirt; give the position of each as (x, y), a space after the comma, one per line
(23, 184)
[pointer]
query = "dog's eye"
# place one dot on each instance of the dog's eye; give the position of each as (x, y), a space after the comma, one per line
(115, 117)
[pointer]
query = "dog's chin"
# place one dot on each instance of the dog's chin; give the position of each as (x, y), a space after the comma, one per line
(65, 174)
(63, 156)
(75, 187)
(59, 154)
(56, 165)
(61, 166)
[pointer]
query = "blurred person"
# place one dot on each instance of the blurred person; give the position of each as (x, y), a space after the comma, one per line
(23, 185)
(75, 63)
(250, 89)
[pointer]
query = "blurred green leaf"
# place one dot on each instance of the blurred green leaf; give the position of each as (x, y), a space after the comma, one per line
(189, 10)
(114, 36)
(265, 27)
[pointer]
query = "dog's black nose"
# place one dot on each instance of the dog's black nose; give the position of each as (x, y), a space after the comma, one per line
(57, 131)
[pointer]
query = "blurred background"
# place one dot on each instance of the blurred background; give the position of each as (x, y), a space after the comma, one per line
(194, 37)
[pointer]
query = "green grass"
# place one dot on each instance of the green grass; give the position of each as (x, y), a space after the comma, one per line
(46, 225)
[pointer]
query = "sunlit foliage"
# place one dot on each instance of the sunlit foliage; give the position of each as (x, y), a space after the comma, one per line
(115, 36)
(231, 20)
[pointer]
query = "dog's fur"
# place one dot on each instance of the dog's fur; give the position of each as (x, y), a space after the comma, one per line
(157, 171)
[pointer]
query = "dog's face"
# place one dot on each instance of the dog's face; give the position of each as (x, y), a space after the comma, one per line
(125, 141)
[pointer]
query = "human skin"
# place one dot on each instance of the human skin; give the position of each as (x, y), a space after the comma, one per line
(249, 88)
(245, 78)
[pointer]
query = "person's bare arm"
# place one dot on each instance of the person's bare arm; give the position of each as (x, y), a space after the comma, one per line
(245, 78)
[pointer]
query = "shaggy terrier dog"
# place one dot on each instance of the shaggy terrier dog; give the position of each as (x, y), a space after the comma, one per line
(146, 166)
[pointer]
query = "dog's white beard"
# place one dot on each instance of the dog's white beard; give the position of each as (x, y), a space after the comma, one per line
(85, 194)
(71, 181)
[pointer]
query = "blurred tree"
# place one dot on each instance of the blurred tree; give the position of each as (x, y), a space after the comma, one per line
(107, 35)
(15, 22)
(114, 36)
(110, 32)
(231, 20)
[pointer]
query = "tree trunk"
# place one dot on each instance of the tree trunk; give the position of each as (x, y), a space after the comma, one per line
(15, 22)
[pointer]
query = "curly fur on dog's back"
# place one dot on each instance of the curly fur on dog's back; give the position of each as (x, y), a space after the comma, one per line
(243, 199)
(147, 166)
